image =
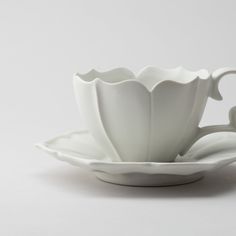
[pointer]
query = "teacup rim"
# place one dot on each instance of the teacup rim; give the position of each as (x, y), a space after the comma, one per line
(201, 74)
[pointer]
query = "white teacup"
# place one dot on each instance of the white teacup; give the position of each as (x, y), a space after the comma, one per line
(153, 116)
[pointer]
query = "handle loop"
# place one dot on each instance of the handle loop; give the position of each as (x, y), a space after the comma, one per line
(215, 94)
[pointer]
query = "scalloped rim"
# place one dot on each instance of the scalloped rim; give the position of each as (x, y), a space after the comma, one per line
(201, 74)
(131, 167)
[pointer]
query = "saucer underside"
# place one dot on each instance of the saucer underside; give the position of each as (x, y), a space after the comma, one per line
(148, 180)
(208, 154)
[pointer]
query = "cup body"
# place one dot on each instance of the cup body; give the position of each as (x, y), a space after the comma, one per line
(140, 121)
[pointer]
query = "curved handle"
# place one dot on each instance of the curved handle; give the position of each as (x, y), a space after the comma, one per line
(216, 77)
(215, 94)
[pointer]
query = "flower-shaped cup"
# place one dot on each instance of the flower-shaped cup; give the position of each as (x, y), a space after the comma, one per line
(153, 116)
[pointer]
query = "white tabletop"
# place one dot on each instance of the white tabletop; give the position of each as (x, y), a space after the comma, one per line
(42, 196)
(42, 44)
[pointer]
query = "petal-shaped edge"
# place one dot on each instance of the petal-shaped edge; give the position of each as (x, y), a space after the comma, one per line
(185, 166)
(117, 75)
(126, 75)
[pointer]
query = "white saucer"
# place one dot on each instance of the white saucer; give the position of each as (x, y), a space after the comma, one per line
(79, 149)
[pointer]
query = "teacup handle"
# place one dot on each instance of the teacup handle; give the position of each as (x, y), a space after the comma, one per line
(215, 94)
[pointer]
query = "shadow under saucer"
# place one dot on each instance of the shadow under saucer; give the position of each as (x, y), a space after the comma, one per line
(76, 180)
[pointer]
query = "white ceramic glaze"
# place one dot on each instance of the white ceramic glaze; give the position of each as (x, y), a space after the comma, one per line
(208, 154)
(152, 116)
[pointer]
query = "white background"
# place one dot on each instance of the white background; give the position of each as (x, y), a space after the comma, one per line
(42, 43)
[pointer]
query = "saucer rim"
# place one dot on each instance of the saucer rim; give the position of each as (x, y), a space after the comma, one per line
(109, 166)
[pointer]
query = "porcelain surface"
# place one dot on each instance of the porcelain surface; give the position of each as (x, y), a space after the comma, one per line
(80, 149)
(152, 116)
